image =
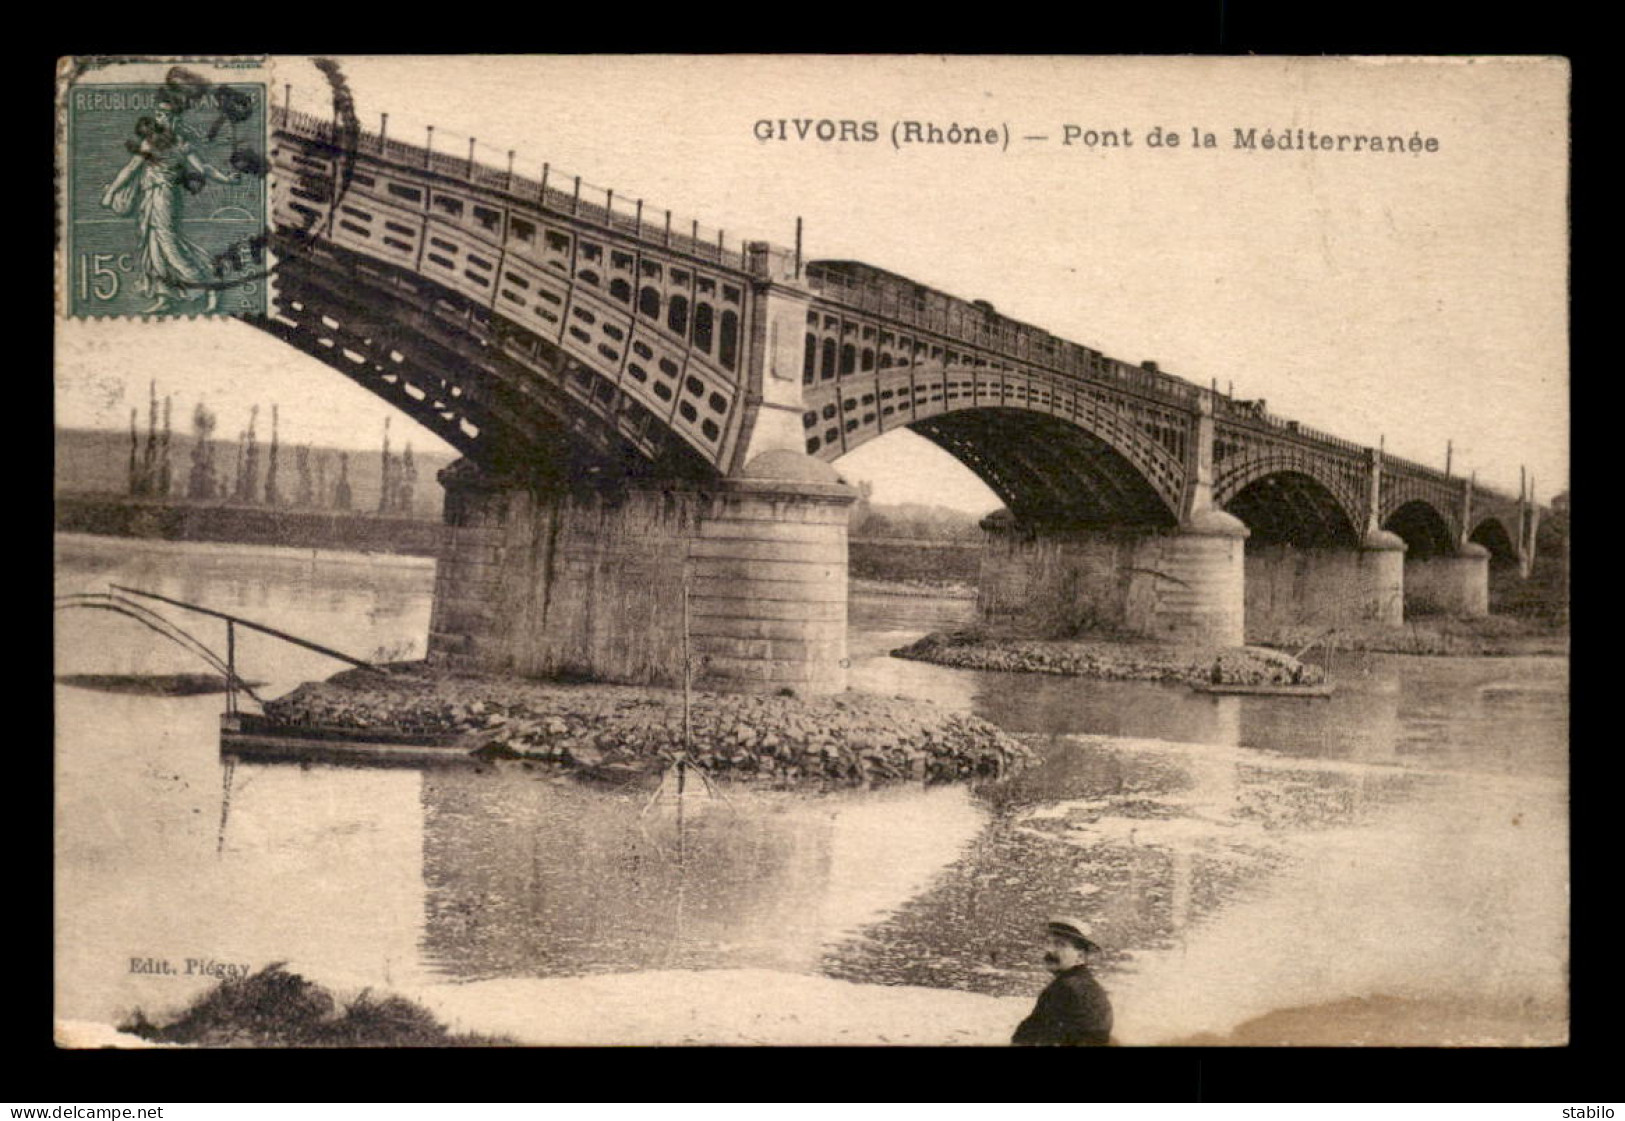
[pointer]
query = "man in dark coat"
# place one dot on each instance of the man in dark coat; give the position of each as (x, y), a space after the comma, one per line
(1073, 1010)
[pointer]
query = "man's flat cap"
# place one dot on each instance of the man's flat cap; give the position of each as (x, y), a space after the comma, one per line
(1075, 929)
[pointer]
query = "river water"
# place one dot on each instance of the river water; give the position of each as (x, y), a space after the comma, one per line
(1386, 866)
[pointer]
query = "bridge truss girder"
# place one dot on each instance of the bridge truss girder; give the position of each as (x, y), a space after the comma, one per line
(1494, 534)
(526, 411)
(1426, 511)
(1047, 470)
(1289, 507)
(1050, 447)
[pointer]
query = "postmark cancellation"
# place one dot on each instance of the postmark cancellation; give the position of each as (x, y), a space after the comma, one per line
(164, 188)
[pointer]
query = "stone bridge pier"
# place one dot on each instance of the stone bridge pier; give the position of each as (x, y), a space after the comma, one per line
(1451, 583)
(1288, 586)
(1181, 583)
(1327, 585)
(548, 582)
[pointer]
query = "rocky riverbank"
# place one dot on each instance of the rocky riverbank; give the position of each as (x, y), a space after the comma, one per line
(1115, 660)
(278, 1008)
(715, 1007)
(1487, 636)
(623, 732)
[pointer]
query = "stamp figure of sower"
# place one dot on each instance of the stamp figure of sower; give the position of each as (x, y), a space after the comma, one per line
(163, 168)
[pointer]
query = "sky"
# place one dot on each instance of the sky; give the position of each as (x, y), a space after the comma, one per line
(1415, 297)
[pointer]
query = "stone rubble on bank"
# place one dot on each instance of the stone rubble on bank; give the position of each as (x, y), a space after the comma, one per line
(1486, 636)
(1111, 660)
(624, 731)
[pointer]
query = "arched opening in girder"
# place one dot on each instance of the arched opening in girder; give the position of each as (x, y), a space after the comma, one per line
(1492, 535)
(1291, 508)
(1048, 471)
(903, 469)
(1425, 533)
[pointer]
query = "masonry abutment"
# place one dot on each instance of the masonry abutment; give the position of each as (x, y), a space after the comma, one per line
(1289, 586)
(1452, 584)
(543, 582)
(1180, 585)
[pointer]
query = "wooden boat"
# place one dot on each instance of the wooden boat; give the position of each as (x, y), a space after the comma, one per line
(249, 736)
(1271, 690)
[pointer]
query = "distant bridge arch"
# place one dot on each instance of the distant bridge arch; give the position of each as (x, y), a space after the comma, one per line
(1290, 507)
(1050, 471)
(1493, 534)
(1425, 531)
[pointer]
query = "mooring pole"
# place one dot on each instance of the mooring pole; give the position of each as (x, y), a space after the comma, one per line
(688, 676)
(231, 667)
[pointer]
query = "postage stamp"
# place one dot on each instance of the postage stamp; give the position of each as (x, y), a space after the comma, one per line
(164, 186)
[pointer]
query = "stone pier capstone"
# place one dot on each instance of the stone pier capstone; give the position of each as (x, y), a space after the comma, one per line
(546, 583)
(1201, 596)
(1379, 581)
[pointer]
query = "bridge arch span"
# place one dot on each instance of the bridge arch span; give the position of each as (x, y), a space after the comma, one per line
(1047, 470)
(509, 400)
(1425, 531)
(1284, 505)
(1493, 534)
(1051, 450)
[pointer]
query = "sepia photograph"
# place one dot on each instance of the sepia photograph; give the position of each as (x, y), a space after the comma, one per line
(806, 550)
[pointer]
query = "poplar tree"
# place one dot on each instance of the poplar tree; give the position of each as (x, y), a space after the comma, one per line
(408, 481)
(149, 454)
(272, 497)
(201, 483)
(341, 492)
(135, 443)
(165, 467)
(301, 462)
(249, 481)
(386, 483)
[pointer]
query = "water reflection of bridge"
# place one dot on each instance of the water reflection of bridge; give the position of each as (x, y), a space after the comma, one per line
(591, 881)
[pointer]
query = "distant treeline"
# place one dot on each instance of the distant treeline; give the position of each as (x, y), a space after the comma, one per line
(238, 473)
(154, 519)
(91, 461)
(912, 520)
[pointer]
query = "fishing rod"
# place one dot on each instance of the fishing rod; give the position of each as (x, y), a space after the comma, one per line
(118, 605)
(237, 620)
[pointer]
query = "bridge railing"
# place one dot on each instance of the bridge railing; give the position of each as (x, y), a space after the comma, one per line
(1253, 413)
(1400, 465)
(557, 191)
(985, 330)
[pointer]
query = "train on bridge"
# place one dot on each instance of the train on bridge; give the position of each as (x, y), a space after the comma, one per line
(975, 322)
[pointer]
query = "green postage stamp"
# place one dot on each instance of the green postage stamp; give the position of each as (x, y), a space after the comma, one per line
(162, 169)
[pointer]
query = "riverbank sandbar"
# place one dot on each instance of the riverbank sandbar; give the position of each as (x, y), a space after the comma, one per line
(1112, 660)
(623, 729)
